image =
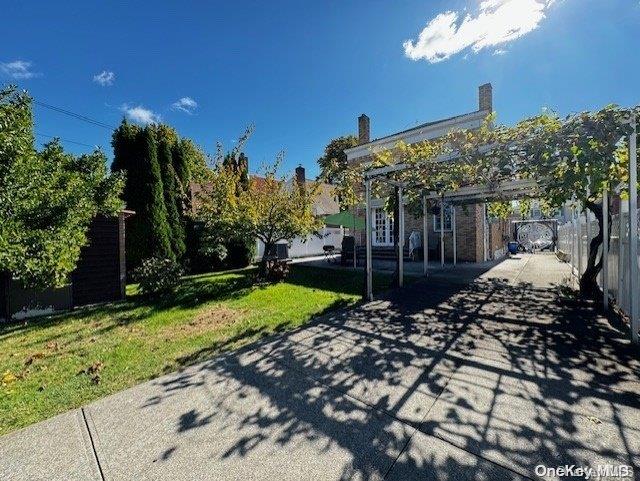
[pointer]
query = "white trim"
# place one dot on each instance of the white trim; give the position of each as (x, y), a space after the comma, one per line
(472, 120)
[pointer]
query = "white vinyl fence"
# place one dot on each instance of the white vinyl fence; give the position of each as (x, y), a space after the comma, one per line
(573, 241)
(312, 245)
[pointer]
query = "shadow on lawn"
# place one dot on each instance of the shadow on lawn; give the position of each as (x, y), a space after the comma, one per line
(497, 378)
(191, 292)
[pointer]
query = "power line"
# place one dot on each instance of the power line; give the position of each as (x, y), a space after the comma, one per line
(84, 118)
(65, 140)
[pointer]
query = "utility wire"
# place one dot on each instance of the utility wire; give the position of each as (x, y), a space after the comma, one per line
(84, 118)
(65, 140)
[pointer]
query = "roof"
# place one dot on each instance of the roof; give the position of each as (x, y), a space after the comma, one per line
(425, 131)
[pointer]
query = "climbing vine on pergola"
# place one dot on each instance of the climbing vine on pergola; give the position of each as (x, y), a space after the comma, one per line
(572, 159)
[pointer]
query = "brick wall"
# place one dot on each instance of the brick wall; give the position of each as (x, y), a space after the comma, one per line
(468, 233)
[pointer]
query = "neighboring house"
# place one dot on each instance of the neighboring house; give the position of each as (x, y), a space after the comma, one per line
(478, 238)
(100, 275)
(325, 202)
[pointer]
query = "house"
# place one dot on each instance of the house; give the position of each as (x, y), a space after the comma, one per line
(479, 238)
(325, 202)
(99, 276)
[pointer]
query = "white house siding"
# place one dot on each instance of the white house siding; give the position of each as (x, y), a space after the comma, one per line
(310, 246)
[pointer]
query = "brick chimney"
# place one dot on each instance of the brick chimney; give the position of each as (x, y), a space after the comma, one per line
(300, 176)
(485, 97)
(363, 129)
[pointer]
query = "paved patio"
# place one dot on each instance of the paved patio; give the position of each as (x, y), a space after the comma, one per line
(447, 379)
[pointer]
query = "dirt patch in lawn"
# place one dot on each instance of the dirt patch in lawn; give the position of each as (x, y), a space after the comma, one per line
(210, 319)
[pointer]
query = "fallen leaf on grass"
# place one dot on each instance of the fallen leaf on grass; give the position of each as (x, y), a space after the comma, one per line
(52, 346)
(93, 371)
(8, 377)
(33, 357)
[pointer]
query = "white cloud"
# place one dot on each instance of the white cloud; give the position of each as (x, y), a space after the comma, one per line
(497, 22)
(104, 78)
(19, 69)
(141, 114)
(499, 51)
(185, 104)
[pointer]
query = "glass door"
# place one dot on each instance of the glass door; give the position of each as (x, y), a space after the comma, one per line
(382, 228)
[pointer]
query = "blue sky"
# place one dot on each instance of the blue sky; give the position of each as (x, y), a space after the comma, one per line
(302, 72)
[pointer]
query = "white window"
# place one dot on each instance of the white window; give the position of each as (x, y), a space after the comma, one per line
(382, 227)
(447, 218)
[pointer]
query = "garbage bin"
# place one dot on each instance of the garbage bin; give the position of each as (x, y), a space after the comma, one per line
(513, 247)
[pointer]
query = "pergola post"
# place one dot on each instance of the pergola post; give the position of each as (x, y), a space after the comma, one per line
(485, 256)
(633, 231)
(400, 238)
(605, 249)
(425, 236)
(368, 234)
(442, 231)
(453, 233)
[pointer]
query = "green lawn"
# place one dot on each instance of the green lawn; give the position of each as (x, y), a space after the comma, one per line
(51, 364)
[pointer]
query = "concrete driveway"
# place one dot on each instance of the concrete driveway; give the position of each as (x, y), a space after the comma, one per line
(466, 375)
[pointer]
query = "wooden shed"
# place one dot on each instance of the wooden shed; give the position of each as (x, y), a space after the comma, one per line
(100, 275)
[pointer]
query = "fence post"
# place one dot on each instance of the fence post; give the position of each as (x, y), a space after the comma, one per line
(605, 248)
(633, 231)
(579, 232)
(621, 268)
(573, 240)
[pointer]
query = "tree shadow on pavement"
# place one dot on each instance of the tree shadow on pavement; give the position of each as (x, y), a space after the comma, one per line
(438, 381)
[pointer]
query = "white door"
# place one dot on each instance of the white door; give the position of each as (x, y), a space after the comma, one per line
(382, 228)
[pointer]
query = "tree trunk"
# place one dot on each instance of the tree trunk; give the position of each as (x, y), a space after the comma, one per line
(5, 280)
(589, 279)
(263, 268)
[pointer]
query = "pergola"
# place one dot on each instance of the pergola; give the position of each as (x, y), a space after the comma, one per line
(508, 189)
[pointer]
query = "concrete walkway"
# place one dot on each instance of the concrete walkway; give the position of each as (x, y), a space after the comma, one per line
(447, 379)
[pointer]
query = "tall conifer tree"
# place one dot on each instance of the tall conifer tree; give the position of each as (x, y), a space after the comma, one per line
(169, 181)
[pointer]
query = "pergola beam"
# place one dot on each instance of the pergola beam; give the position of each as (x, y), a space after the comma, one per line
(510, 189)
(390, 169)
